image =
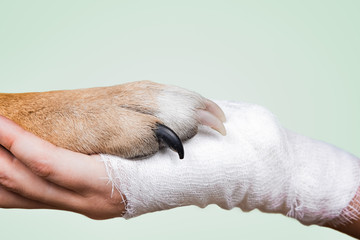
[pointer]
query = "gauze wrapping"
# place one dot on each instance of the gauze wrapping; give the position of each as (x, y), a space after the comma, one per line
(259, 164)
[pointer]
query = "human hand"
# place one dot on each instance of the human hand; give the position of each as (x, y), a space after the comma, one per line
(223, 171)
(35, 174)
(259, 164)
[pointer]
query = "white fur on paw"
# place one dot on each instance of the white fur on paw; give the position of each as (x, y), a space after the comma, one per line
(177, 110)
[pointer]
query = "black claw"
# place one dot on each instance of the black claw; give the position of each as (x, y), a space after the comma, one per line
(169, 137)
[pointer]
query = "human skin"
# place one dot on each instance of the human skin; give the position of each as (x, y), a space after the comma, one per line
(35, 174)
(353, 228)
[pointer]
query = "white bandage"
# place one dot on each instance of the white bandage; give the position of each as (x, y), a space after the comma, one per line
(259, 164)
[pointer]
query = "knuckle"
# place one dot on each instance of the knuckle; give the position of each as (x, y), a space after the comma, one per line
(100, 207)
(42, 168)
(7, 182)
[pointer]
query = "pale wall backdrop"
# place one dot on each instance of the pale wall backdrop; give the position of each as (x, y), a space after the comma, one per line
(301, 59)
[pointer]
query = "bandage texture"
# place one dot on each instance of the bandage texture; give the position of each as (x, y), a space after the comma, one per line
(259, 164)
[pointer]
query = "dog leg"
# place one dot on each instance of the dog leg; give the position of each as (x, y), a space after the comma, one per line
(127, 120)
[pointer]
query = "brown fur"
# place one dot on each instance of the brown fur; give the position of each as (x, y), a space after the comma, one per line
(115, 120)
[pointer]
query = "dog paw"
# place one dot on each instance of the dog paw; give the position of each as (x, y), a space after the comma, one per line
(129, 120)
(180, 112)
(155, 115)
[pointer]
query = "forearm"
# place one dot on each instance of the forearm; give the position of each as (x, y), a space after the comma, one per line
(325, 180)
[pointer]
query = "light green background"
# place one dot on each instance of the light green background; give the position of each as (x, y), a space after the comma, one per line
(301, 59)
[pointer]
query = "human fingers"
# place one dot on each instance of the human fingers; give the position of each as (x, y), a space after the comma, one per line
(60, 166)
(10, 199)
(17, 178)
(20, 188)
